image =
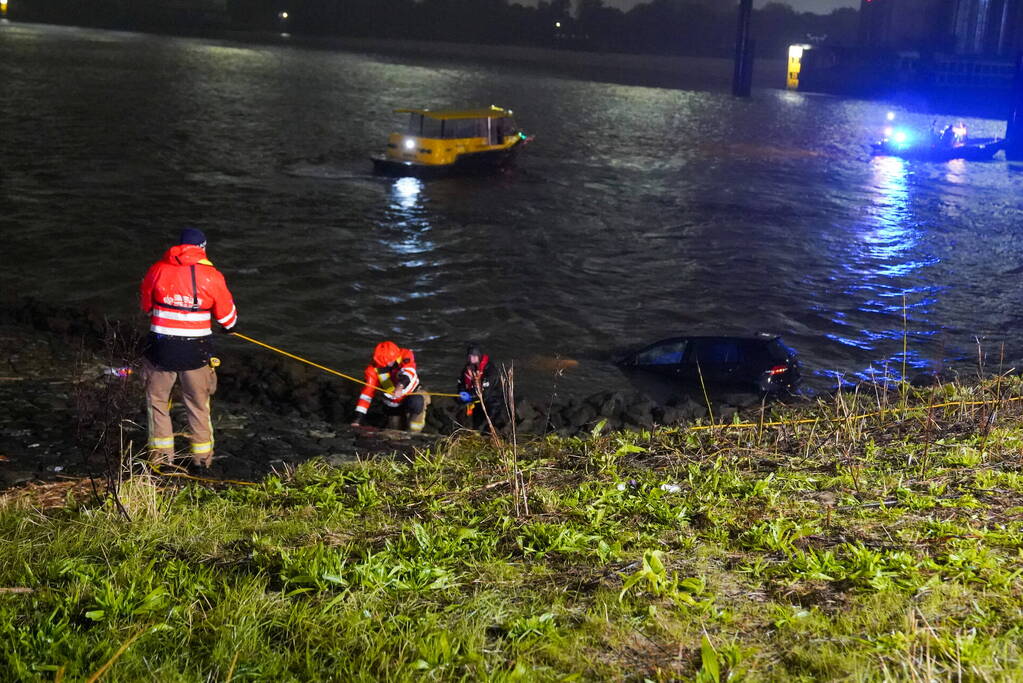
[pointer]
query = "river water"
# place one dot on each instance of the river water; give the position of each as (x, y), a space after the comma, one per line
(636, 213)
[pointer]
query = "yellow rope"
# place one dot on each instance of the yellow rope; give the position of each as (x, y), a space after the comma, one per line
(333, 372)
(864, 416)
(696, 428)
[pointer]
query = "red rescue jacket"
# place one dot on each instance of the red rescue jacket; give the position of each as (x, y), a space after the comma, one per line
(180, 291)
(396, 386)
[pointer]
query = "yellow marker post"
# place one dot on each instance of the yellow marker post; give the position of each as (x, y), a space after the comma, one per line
(795, 65)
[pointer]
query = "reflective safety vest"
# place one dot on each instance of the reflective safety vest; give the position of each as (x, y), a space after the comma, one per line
(382, 378)
(182, 291)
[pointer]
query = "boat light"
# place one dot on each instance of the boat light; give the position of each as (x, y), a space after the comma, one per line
(891, 116)
(410, 143)
(283, 15)
(888, 130)
(901, 137)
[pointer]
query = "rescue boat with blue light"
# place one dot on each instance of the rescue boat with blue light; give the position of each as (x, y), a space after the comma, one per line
(451, 141)
(978, 149)
(952, 143)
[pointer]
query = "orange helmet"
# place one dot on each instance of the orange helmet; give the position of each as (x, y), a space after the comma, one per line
(385, 353)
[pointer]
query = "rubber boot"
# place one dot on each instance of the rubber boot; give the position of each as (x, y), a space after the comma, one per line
(161, 458)
(418, 421)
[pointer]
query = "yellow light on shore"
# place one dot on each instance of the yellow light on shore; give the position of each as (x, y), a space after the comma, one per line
(3, 8)
(795, 65)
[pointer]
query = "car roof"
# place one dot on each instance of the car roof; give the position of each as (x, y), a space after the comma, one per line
(763, 336)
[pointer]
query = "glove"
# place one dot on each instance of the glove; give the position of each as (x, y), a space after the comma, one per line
(465, 397)
(359, 419)
(231, 330)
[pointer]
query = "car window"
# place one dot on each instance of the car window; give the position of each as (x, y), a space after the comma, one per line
(716, 352)
(756, 352)
(779, 351)
(668, 353)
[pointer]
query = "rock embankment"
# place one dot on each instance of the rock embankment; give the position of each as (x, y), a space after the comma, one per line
(63, 411)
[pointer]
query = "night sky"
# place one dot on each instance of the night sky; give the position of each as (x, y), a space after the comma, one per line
(819, 6)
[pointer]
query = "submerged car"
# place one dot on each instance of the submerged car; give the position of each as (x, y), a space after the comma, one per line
(760, 363)
(451, 142)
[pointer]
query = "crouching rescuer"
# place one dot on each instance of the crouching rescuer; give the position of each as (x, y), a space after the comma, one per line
(393, 372)
(182, 293)
(481, 391)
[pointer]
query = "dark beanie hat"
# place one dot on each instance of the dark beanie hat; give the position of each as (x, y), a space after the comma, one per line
(192, 236)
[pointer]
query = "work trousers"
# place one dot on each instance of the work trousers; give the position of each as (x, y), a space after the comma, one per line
(197, 386)
(496, 411)
(410, 414)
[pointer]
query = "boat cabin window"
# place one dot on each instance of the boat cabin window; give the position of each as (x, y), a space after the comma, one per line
(505, 126)
(495, 130)
(465, 128)
(424, 127)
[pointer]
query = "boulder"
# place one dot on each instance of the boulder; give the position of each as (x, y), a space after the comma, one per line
(640, 414)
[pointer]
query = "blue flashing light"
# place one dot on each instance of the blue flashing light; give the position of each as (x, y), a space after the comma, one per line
(901, 137)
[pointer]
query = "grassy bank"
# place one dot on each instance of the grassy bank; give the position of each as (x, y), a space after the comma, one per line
(858, 541)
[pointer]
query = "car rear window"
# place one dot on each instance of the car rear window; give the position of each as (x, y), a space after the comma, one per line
(779, 351)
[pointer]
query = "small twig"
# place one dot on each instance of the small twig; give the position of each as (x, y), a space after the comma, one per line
(17, 590)
(230, 671)
(120, 651)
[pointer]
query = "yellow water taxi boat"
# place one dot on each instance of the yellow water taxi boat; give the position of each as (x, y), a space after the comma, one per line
(451, 141)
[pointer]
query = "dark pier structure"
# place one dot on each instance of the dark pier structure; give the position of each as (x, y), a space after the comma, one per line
(745, 46)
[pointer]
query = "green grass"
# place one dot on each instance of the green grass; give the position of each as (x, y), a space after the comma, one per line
(881, 548)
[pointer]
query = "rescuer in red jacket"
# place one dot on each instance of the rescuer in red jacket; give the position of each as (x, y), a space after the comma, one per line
(393, 373)
(182, 293)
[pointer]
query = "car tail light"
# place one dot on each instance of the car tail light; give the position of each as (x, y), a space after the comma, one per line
(777, 370)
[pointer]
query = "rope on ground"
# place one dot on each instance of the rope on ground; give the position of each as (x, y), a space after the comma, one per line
(331, 371)
(863, 416)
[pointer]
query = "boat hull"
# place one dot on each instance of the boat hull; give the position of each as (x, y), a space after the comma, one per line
(476, 163)
(983, 149)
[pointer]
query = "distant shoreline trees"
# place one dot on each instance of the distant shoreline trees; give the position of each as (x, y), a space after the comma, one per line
(659, 27)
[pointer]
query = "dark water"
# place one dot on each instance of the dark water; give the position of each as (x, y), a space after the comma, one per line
(636, 213)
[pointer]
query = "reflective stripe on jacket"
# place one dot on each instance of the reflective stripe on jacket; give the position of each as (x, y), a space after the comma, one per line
(393, 391)
(182, 291)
